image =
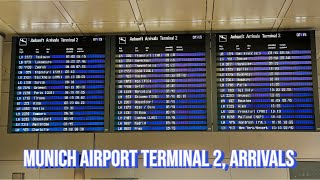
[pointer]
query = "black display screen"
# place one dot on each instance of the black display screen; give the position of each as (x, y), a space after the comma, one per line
(58, 84)
(265, 81)
(160, 83)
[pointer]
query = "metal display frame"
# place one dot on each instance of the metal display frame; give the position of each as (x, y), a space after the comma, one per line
(214, 84)
(112, 82)
(107, 86)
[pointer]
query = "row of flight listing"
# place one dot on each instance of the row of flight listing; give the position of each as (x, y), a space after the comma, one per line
(159, 84)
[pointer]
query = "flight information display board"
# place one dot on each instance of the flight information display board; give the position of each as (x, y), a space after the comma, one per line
(58, 84)
(160, 83)
(265, 81)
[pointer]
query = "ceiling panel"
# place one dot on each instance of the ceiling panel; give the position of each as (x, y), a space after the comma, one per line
(108, 27)
(172, 10)
(246, 9)
(300, 22)
(175, 26)
(304, 8)
(99, 11)
(243, 24)
(26, 12)
(44, 28)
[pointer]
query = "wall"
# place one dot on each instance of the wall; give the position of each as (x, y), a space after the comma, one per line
(12, 145)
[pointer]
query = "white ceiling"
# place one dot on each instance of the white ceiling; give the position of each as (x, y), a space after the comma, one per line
(105, 16)
(143, 16)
